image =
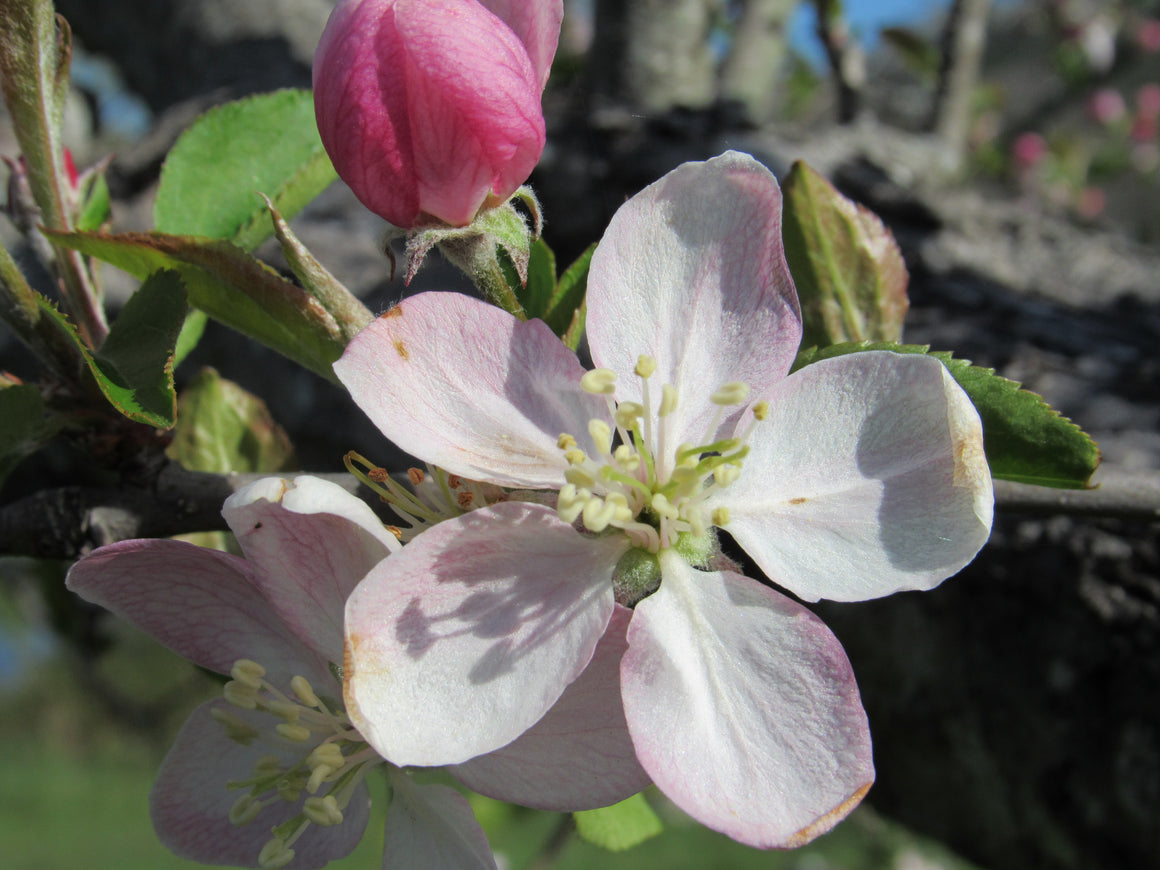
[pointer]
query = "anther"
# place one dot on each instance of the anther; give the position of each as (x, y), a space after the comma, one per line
(305, 692)
(668, 400)
(416, 476)
(248, 672)
(287, 710)
(732, 393)
(627, 413)
(626, 458)
(601, 434)
(599, 382)
(579, 477)
(721, 516)
(241, 695)
(761, 410)
(323, 811)
(244, 810)
(236, 730)
(275, 854)
(565, 441)
(598, 513)
(661, 505)
(575, 456)
(645, 366)
(295, 733)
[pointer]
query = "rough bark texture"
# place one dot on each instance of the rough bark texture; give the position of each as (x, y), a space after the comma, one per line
(750, 72)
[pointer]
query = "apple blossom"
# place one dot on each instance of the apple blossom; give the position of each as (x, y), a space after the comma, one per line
(272, 774)
(853, 478)
(430, 109)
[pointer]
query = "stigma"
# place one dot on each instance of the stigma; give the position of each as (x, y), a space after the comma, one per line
(637, 480)
(319, 759)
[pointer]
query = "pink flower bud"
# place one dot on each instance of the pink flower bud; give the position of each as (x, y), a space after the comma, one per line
(1148, 35)
(1028, 150)
(431, 108)
(1106, 106)
(1148, 100)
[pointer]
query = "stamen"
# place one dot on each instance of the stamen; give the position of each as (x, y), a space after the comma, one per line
(599, 382)
(236, 730)
(248, 672)
(293, 733)
(732, 393)
(241, 695)
(323, 811)
(244, 810)
(305, 692)
(601, 434)
(275, 854)
(645, 366)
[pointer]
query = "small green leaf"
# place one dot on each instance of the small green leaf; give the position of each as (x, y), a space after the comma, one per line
(231, 287)
(134, 366)
(849, 273)
(568, 308)
(620, 826)
(262, 144)
(96, 209)
(24, 425)
(222, 427)
(191, 332)
(1025, 439)
(536, 294)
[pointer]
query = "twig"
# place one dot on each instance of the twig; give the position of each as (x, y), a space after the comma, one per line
(962, 54)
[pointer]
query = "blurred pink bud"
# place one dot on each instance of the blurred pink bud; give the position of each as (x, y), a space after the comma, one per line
(431, 108)
(1144, 128)
(1148, 100)
(1148, 36)
(1091, 202)
(1028, 150)
(1106, 106)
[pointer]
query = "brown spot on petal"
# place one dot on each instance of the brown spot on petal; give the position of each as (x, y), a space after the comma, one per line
(798, 500)
(396, 311)
(823, 823)
(401, 349)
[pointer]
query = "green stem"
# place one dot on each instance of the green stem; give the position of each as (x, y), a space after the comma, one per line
(490, 280)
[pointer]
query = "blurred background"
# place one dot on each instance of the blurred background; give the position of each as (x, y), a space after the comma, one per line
(1012, 148)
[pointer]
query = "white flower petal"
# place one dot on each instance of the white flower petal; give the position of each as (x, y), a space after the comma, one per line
(743, 708)
(432, 827)
(691, 271)
(309, 542)
(465, 386)
(190, 802)
(580, 755)
(463, 639)
(868, 478)
(202, 604)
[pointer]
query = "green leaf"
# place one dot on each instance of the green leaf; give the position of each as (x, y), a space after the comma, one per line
(850, 276)
(262, 144)
(536, 295)
(96, 209)
(1025, 439)
(620, 826)
(191, 332)
(568, 308)
(222, 427)
(24, 425)
(134, 366)
(231, 287)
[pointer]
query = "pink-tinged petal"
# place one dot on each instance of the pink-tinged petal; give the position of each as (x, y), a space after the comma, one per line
(691, 271)
(580, 755)
(426, 108)
(465, 386)
(202, 604)
(310, 542)
(463, 639)
(190, 802)
(432, 827)
(537, 24)
(744, 709)
(868, 478)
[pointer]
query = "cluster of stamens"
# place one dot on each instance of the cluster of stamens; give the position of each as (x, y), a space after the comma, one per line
(636, 481)
(435, 495)
(334, 759)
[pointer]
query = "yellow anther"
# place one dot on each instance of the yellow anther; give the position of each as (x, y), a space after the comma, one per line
(697, 525)
(721, 516)
(645, 366)
(579, 477)
(661, 505)
(668, 400)
(627, 413)
(565, 441)
(688, 456)
(317, 777)
(761, 411)
(732, 393)
(599, 382)
(601, 434)
(326, 753)
(621, 513)
(248, 672)
(295, 733)
(236, 730)
(416, 476)
(285, 710)
(241, 695)
(570, 502)
(323, 811)
(598, 514)
(244, 810)
(575, 456)
(275, 854)
(626, 457)
(289, 790)
(726, 474)
(305, 692)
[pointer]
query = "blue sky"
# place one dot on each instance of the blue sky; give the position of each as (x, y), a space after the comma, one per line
(865, 17)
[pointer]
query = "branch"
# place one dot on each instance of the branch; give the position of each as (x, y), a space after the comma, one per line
(962, 55)
(67, 522)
